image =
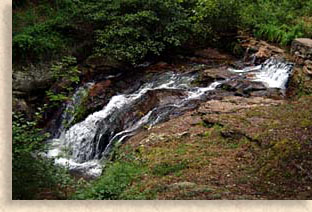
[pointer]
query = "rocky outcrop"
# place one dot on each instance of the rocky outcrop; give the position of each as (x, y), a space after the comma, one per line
(301, 48)
(301, 80)
(31, 80)
(211, 56)
(208, 76)
(103, 63)
(258, 51)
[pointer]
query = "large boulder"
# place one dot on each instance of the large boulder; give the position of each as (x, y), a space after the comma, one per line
(31, 80)
(208, 76)
(258, 51)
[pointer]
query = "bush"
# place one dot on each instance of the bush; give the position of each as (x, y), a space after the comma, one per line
(38, 29)
(33, 174)
(277, 21)
(217, 16)
(130, 30)
(116, 179)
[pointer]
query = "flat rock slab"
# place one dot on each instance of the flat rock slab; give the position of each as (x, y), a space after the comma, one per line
(234, 103)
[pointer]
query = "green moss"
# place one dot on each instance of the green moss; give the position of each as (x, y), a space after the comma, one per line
(164, 168)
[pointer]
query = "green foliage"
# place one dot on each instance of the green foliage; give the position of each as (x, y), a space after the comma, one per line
(116, 179)
(66, 70)
(130, 30)
(33, 174)
(277, 21)
(56, 97)
(214, 17)
(163, 169)
(38, 29)
(36, 43)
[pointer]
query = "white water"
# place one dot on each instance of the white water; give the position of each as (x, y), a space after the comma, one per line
(82, 147)
(272, 73)
(77, 148)
(68, 115)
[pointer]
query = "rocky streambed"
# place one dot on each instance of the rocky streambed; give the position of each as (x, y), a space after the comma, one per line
(157, 95)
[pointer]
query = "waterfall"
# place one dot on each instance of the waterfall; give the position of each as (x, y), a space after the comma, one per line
(68, 116)
(83, 146)
(272, 73)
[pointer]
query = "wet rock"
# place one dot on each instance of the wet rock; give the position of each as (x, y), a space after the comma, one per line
(307, 69)
(99, 95)
(243, 87)
(273, 93)
(300, 82)
(99, 88)
(214, 74)
(158, 67)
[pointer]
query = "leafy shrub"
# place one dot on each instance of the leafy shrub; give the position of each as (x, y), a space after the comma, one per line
(33, 174)
(279, 34)
(116, 179)
(39, 42)
(130, 30)
(276, 21)
(217, 16)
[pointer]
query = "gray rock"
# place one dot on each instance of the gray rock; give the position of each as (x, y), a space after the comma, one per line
(301, 48)
(32, 79)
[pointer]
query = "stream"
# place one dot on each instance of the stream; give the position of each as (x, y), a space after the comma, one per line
(85, 146)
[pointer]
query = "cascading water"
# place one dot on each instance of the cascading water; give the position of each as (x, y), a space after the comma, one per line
(272, 73)
(84, 145)
(68, 116)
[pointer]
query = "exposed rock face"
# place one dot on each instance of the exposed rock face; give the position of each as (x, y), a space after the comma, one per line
(211, 56)
(27, 81)
(234, 103)
(301, 81)
(259, 51)
(302, 50)
(20, 105)
(214, 74)
(102, 63)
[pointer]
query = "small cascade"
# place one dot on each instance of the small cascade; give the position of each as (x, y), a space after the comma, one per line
(83, 146)
(272, 73)
(68, 116)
